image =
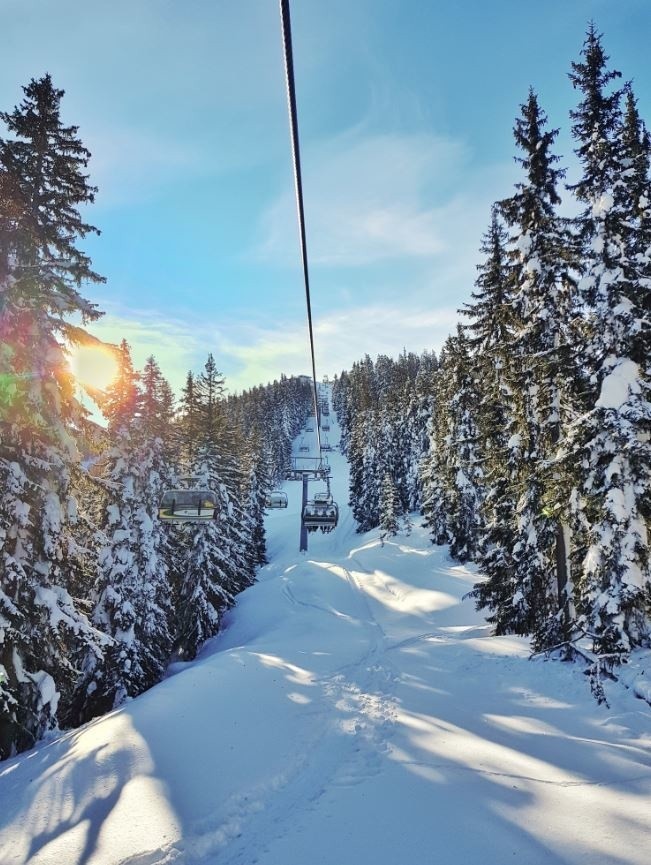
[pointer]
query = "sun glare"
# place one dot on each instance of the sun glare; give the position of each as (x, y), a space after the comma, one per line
(93, 365)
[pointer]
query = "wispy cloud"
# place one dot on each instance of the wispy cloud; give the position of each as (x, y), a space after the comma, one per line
(369, 204)
(366, 199)
(255, 353)
(129, 165)
(259, 354)
(159, 90)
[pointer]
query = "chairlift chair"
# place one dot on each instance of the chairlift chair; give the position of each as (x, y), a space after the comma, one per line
(276, 499)
(188, 506)
(320, 513)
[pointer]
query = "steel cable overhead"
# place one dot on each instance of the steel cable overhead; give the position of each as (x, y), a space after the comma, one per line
(293, 123)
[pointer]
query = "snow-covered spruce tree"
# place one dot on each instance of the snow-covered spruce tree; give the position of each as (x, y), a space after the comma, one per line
(120, 402)
(389, 451)
(205, 575)
(383, 426)
(453, 477)
(436, 478)
(364, 494)
(490, 332)
(228, 450)
(156, 402)
(132, 594)
(464, 520)
(254, 496)
(544, 263)
(341, 404)
(160, 451)
(607, 450)
(276, 413)
(160, 441)
(44, 184)
(188, 424)
(220, 557)
(635, 188)
(390, 507)
(288, 404)
(363, 456)
(422, 434)
(402, 429)
(410, 420)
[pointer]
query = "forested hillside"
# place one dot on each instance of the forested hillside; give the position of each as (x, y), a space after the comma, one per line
(527, 445)
(96, 594)
(353, 694)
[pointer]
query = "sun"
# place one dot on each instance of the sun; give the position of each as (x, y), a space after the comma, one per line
(93, 365)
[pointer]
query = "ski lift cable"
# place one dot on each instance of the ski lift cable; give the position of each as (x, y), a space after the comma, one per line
(293, 123)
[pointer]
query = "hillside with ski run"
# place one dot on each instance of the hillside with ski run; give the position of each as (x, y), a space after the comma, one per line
(354, 708)
(526, 442)
(380, 690)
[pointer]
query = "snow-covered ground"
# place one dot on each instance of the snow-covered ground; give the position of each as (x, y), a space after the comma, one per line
(354, 710)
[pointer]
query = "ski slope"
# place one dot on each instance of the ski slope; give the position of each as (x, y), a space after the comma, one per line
(354, 710)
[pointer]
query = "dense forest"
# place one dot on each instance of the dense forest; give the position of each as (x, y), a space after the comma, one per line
(525, 444)
(96, 594)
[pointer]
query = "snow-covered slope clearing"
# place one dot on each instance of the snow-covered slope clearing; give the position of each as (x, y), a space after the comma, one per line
(355, 710)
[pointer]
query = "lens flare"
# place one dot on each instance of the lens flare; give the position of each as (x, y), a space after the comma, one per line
(93, 365)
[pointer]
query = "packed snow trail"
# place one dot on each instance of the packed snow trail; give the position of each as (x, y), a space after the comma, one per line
(354, 710)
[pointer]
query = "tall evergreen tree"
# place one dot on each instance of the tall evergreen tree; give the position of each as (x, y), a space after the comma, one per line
(43, 182)
(132, 597)
(634, 191)
(189, 424)
(254, 495)
(490, 334)
(210, 389)
(156, 408)
(390, 507)
(544, 303)
(452, 480)
(46, 163)
(219, 561)
(383, 423)
(608, 448)
(121, 401)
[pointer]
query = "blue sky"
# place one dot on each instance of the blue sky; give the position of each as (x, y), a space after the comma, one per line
(405, 107)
